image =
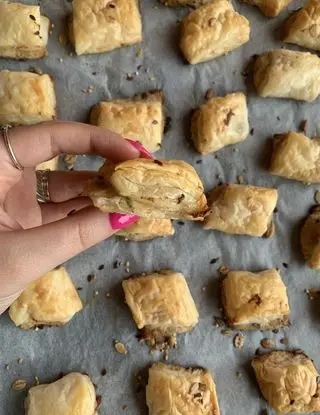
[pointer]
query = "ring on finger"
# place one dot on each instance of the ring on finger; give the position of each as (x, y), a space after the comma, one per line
(43, 194)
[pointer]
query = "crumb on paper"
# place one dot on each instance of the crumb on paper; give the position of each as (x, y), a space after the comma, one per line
(223, 270)
(36, 70)
(36, 381)
(238, 341)
(88, 90)
(120, 347)
(19, 385)
(227, 332)
(63, 40)
(218, 322)
(268, 343)
(240, 179)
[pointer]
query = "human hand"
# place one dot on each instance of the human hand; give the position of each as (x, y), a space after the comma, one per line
(36, 238)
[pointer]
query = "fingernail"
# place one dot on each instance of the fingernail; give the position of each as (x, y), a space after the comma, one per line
(120, 221)
(144, 153)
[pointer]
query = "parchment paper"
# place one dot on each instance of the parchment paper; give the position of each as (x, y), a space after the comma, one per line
(86, 344)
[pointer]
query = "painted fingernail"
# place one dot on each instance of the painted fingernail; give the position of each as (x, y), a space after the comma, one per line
(120, 221)
(144, 153)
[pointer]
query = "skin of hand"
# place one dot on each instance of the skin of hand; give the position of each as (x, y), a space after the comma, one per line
(35, 238)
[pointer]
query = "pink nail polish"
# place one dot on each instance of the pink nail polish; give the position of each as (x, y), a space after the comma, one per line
(144, 153)
(120, 221)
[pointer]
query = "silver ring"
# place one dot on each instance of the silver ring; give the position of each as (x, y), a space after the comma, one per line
(43, 195)
(5, 135)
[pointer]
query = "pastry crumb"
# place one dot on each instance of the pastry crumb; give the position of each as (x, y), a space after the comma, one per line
(223, 270)
(238, 341)
(227, 332)
(19, 385)
(240, 179)
(36, 70)
(267, 344)
(36, 381)
(120, 347)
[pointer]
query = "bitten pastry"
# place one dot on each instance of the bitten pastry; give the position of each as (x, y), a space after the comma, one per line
(190, 3)
(296, 157)
(49, 165)
(212, 30)
(255, 301)
(303, 26)
(26, 98)
(310, 238)
(141, 118)
(152, 189)
(52, 300)
(23, 31)
(288, 381)
(176, 390)
(270, 8)
(242, 209)
(73, 394)
(146, 229)
(101, 26)
(220, 122)
(287, 74)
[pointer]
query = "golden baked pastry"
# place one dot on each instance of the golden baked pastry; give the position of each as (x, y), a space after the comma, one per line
(296, 157)
(26, 98)
(103, 25)
(52, 164)
(288, 381)
(151, 189)
(220, 122)
(23, 31)
(52, 300)
(310, 238)
(212, 30)
(255, 301)
(141, 118)
(71, 395)
(303, 26)
(146, 229)
(190, 3)
(287, 74)
(177, 390)
(270, 8)
(242, 209)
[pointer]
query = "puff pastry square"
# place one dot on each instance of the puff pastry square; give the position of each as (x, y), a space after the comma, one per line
(103, 25)
(288, 381)
(141, 118)
(23, 31)
(220, 122)
(212, 30)
(296, 157)
(26, 98)
(177, 390)
(255, 301)
(153, 189)
(303, 26)
(269, 8)
(51, 300)
(146, 229)
(52, 164)
(73, 394)
(242, 209)
(191, 3)
(287, 74)
(310, 238)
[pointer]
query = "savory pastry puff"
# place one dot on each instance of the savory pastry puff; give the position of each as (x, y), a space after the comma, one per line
(103, 25)
(287, 74)
(220, 122)
(141, 118)
(73, 394)
(269, 8)
(52, 164)
(303, 26)
(153, 189)
(212, 30)
(241, 209)
(26, 98)
(51, 300)
(177, 390)
(310, 238)
(296, 157)
(146, 229)
(190, 3)
(23, 31)
(288, 381)
(255, 301)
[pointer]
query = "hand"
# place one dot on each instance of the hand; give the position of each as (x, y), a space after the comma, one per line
(35, 238)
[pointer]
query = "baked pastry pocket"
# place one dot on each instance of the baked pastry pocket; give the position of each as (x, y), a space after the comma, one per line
(52, 300)
(303, 26)
(153, 189)
(72, 394)
(23, 31)
(270, 8)
(255, 301)
(177, 390)
(288, 381)
(296, 157)
(212, 30)
(242, 210)
(146, 229)
(141, 118)
(101, 26)
(220, 122)
(310, 238)
(287, 74)
(26, 98)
